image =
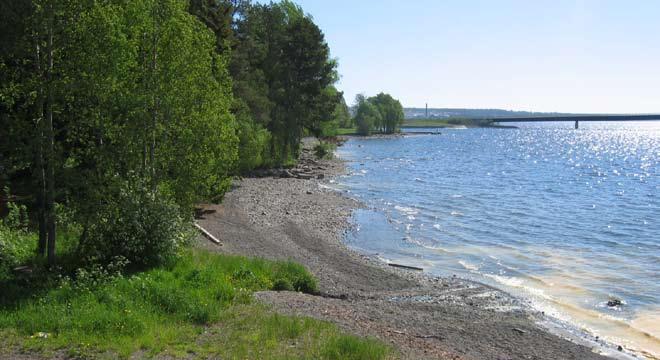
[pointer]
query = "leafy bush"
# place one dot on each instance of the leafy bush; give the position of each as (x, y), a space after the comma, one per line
(254, 143)
(329, 128)
(16, 244)
(167, 309)
(144, 228)
(324, 150)
(367, 117)
(300, 279)
(347, 347)
(16, 247)
(99, 306)
(17, 217)
(282, 285)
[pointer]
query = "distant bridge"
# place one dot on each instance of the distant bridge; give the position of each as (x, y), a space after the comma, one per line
(578, 118)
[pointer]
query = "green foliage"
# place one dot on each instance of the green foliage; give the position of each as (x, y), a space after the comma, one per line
(16, 247)
(328, 125)
(381, 113)
(254, 144)
(252, 332)
(328, 129)
(175, 93)
(17, 216)
(164, 101)
(449, 122)
(134, 88)
(391, 113)
(347, 131)
(324, 150)
(349, 347)
(282, 285)
(367, 116)
(297, 275)
(283, 74)
(165, 308)
(343, 115)
(143, 227)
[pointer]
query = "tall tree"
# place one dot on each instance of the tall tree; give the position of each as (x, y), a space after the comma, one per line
(104, 91)
(391, 112)
(21, 106)
(366, 115)
(342, 114)
(282, 73)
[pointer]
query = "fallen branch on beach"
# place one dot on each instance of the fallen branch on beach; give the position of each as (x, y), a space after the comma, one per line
(207, 234)
(405, 266)
(417, 336)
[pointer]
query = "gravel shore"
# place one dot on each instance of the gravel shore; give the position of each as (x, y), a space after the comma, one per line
(423, 317)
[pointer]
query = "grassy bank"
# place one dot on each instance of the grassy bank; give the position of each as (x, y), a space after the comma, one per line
(436, 124)
(347, 131)
(198, 306)
(429, 123)
(451, 123)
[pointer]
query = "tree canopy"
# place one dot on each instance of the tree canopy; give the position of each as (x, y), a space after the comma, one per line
(381, 113)
(283, 75)
(163, 99)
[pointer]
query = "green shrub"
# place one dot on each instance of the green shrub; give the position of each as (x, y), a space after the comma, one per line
(298, 276)
(346, 347)
(167, 310)
(17, 217)
(324, 150)
(282, 285)
(16, 247)
(254, 144)
(329, 128)
(306, 283)
(144, 228)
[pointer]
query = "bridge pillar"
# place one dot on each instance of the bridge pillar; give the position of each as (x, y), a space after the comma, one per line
(576, 124)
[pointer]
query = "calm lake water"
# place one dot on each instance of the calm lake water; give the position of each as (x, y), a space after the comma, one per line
(565, 218)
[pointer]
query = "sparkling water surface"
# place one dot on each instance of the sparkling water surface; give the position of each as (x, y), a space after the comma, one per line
(567, 218)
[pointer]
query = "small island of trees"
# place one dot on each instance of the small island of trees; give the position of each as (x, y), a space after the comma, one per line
(378, 114)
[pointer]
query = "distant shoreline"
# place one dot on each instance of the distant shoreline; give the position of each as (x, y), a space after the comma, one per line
(452, 126)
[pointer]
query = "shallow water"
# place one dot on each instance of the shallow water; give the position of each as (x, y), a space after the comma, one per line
(568, 219)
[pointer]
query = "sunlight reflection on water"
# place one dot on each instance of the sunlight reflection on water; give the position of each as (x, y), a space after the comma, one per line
(568, 218)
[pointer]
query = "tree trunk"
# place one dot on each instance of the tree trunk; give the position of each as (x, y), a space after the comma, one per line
(155, 104)
(40, 172)
(50, 145)
(145, 84)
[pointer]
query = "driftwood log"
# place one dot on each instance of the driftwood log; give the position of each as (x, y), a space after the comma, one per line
(405, 266)
(207, 234)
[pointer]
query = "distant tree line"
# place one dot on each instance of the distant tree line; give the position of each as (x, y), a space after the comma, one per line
(381, 113)
(129, 112)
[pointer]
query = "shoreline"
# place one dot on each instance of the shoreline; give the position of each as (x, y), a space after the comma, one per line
(421, 315)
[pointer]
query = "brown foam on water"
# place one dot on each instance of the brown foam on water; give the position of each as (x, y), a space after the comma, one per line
(648, 321)
(640, 335)
(564, 295)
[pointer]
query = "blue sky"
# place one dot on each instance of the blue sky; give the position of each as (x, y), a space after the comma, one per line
(568, 56)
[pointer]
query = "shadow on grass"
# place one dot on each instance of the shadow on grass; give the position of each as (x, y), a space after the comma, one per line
(34, 277)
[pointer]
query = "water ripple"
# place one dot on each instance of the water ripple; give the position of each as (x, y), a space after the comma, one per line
(580, 208)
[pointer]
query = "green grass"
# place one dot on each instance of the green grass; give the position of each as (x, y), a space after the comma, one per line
(16, 247)
(428, 124)
(200, 306)
(324, 150)
(347, 131)
(254, 332)
(447, 123)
